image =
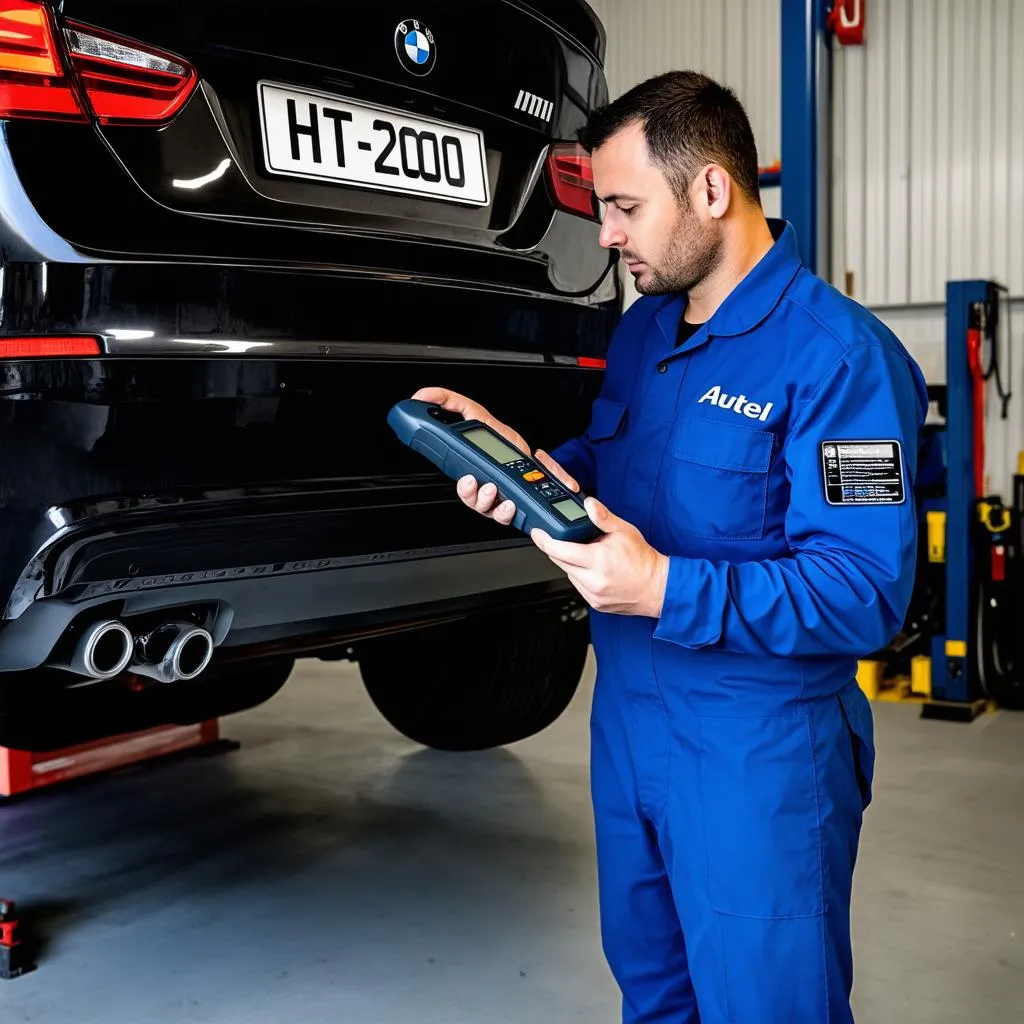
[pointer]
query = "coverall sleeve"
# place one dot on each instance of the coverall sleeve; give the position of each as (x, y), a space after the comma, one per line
(576, 457)
(846, 586)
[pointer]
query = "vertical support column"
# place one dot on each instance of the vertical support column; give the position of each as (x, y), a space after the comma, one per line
(953, 654)
(806, 102)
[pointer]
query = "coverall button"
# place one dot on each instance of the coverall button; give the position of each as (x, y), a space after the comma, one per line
(662, 367)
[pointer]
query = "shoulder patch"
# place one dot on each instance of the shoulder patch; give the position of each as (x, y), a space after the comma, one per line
(862, 472)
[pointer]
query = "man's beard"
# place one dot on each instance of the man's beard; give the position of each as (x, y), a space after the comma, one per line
(694, 253)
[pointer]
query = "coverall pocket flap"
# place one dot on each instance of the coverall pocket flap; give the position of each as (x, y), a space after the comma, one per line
(723, 445)
(605, 419)
(762, 825)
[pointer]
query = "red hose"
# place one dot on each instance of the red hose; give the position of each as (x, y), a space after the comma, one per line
(978, 396)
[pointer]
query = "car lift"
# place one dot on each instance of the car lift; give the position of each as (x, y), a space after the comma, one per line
(23, 772)
(962, 623)
(954, 692)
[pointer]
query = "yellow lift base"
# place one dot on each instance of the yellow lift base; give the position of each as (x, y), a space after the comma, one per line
(916, 689)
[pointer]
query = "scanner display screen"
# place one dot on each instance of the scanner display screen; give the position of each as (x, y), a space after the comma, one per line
(492, 445)
(570, 509)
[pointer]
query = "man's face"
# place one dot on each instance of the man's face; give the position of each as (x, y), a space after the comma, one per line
(667, 246)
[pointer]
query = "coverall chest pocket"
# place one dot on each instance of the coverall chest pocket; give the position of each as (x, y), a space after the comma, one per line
(718, 479)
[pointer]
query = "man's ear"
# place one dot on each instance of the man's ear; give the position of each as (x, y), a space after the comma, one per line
(716, 189)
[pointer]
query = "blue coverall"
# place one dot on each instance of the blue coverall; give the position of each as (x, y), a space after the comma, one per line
(732, 749)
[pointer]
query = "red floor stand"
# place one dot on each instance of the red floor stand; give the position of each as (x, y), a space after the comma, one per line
(14, 960)
(22, 772)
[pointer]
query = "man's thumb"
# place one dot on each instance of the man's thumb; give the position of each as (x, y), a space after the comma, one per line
(604, 520)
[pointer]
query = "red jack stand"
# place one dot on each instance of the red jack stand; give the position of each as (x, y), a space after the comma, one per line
(22, 771)
(14, 960)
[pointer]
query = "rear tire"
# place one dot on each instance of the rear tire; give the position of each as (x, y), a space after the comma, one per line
(480, 682)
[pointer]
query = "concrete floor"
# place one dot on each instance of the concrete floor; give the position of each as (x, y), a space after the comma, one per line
(330, 871)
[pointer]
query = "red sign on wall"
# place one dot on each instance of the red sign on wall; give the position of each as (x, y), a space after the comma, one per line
(846, 21)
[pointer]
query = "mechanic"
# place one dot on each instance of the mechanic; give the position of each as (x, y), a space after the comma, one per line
(752, 453)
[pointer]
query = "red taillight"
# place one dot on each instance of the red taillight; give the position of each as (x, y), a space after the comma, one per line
(590, 363)
(119, 80)
(572, 179)
(40, 348)
(125, 82)
(32, 79)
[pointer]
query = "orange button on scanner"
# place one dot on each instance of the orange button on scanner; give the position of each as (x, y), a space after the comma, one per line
(533, 476)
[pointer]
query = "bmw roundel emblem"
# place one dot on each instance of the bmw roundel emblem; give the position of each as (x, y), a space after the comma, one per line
(414, 44)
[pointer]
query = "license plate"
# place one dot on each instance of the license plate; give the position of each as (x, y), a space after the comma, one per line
(322, 137)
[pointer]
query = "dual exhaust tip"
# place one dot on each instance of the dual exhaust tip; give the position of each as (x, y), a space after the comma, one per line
(171, 653)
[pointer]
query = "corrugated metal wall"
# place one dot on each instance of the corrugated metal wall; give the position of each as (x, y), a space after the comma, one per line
(734, 41)
(928, 150)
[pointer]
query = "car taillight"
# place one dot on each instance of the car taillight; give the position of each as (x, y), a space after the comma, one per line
(126, 82)
(572, 179)
(84, 72)
(33, 82)
(48, 347)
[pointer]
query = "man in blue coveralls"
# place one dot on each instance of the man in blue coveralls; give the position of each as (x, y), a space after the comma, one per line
(753, 448)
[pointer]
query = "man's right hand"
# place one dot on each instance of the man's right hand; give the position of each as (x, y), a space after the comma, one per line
(485, 499)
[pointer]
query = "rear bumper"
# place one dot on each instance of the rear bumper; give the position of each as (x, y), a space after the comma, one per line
(269, 566)
(302, 611)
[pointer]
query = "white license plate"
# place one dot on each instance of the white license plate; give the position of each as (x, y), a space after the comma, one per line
(315, 135)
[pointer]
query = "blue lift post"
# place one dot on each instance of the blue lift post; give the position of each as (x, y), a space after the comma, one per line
(954, 654)
(806, 102)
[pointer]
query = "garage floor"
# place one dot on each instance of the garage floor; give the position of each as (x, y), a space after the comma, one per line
(329, 871)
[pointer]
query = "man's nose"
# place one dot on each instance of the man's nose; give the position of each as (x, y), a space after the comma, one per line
(611, 235)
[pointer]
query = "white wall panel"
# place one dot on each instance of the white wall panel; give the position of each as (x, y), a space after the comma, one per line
(928, 130)
(736, 42)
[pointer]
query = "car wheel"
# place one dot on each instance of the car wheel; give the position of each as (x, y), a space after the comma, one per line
(477, 683)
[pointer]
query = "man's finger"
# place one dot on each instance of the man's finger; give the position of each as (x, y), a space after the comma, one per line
(466, 488)
(555, 469)
(505, 513)
(485, 497)
(450, 400)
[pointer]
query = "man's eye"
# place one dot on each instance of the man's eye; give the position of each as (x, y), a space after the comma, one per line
(628, 210)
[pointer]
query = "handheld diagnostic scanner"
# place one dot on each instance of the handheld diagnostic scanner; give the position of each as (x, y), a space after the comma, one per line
(461, 447)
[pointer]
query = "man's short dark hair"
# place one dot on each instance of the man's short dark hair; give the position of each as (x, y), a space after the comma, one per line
(689, 120)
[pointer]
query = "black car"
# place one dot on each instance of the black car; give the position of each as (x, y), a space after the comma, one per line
(232, 236)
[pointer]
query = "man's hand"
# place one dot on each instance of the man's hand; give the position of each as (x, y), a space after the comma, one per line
(619, 572)
(484, 499)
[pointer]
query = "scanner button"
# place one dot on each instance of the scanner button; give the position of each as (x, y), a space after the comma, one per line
(533, 477)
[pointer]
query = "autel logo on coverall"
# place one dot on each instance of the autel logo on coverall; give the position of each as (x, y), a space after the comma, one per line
(716, 396)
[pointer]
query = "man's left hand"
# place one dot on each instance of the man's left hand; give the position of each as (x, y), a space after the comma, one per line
(619, 572)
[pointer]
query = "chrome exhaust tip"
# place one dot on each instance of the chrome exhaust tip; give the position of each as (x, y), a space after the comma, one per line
(173, 652)
(103, 651)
